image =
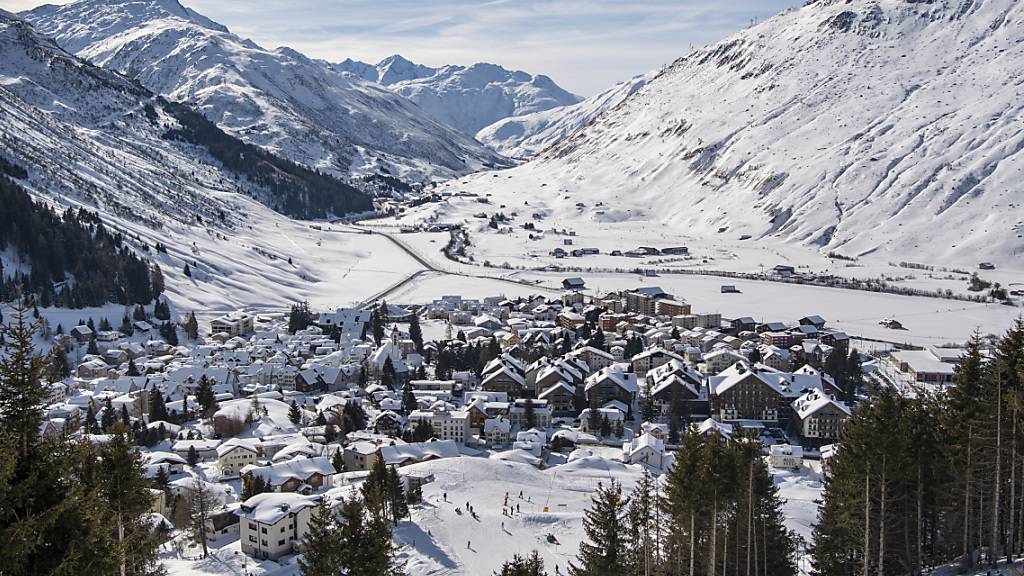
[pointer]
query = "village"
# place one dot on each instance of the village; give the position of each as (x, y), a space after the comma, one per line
(266, 414)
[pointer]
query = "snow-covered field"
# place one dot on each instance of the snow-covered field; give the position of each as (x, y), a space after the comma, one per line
(438, 540)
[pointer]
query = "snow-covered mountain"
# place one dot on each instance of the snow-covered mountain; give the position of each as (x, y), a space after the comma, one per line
(527, 135)
(859, 126)
(89, 137)
(300, 108)
(467, 98)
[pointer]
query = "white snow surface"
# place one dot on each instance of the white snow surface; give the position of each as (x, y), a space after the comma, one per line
(867, 126)
(300, 108)
(82, 134)
(467, 98)
(527, 135)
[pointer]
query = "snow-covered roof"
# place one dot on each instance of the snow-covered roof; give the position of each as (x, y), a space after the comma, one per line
(814, 400)
(300, 469)
(270, 507)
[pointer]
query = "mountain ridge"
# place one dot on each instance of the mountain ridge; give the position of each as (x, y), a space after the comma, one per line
(468, 98)
(279, 99)
(853, 127)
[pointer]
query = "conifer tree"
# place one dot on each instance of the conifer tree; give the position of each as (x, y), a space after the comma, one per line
(603, 551)
(294, 414)
(21, 390)
(323, 549)
(125, 491)
(531, 565)
(396, 495)
(416, 333)
(408, 399)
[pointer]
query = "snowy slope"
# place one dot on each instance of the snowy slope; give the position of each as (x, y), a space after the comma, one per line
(465, 98)
(299, 108)
(868, 126)
(84, 136)
(527, 135)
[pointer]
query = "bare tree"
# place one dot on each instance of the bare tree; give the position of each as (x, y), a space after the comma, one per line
(202, 503)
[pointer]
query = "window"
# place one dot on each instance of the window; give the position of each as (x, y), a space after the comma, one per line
(264, 542)
(252, 538)
(263, 529)
(280, 542)
(252, 526)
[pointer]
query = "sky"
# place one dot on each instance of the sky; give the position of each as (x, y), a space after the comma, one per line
(584, 45)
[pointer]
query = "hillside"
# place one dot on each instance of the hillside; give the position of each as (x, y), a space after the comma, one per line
(860, 127)
(467, 98)
(297, 107)
(77, 136)
(527, 135)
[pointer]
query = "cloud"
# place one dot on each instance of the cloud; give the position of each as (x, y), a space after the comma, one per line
(585, 45)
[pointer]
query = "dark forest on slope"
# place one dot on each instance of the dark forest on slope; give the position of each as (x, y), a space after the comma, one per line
(73, 245)
(296, 191)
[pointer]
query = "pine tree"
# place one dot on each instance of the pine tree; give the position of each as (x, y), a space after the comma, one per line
(187, 271)
(396, 494)
(294, 414)
(323, 548)
(193, 457)
(416, 333)
(338, 462)
(21, 390)
(92, 348)
(192, 327)
(205, 396)
(529, 414)
(157, 407)
(531, 565)
(108, 417)
(133, 370)
(125, 491)
(603, 552)
(408, 399)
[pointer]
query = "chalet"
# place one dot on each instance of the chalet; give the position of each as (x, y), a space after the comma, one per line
(274, 525)
(652, 358)
(414, 453)
(497, 431)
(645, 449)
(237, 453)
(561, 397)
(744, 395)
(612, 383)
(388, 423)
(594, 358)
(590, 420)
(574, 283)
(236, 323)
(298, 475)
(819, 417)
(816, 321)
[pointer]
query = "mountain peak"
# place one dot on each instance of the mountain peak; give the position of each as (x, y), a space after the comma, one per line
(396, 68)
(81, 23)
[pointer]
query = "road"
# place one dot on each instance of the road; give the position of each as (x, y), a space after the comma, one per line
(428, 266)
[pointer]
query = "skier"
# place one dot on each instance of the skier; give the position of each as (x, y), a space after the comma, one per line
(468, 547)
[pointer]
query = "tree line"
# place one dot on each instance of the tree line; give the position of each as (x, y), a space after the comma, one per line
(296, 191)
(66, 506)
(931, 479)
(716, 513)
(71, 245)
